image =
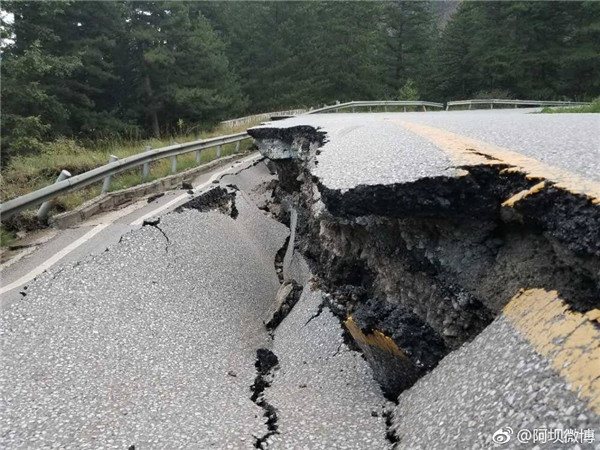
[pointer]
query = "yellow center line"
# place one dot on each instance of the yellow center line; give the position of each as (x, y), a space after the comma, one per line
(376, 339)
(467, 151)
(524, 194)
(568, 339)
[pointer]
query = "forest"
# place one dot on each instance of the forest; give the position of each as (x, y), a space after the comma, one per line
(93, 71)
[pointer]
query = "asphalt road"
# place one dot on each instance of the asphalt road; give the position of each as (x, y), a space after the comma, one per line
(570, 141)
(499, 380)
(325, 392)
(108, 229)
(494, 382)
(152, 343)
(147, 336)
(369, 149)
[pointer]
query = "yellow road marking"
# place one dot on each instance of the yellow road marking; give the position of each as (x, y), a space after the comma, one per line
(524, 194)
(570, 340)
(468, 151)
(593, 315)
(376, 339)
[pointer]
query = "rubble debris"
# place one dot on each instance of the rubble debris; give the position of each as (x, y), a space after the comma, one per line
(155, 197)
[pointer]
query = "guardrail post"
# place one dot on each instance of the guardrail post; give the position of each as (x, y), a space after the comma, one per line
(470, 104)
(173, 164)
(353, 109)
(43, 211)
(237, 146)
(146, 166)
(491, 106)
(404, 108)
(106, 184)
(424, 108)
(198, 155)
(218, 151)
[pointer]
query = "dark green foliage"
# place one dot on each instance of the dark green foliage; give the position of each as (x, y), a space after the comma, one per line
(303, 53)
(99, 69)
(537, 50)
(95, 70)
(410, 35)
(176, 67)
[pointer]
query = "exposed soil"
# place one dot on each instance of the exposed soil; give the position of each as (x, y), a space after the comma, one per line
(431, 263)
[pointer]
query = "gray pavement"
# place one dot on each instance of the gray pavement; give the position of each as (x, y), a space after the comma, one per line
(136, 346)
(569, 141)
(371, 149)
(118, 223)
(325, 392)
(147, 337)
(152, 344)
(485, 386)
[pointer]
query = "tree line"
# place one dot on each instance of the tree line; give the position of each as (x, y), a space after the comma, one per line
(94, 70)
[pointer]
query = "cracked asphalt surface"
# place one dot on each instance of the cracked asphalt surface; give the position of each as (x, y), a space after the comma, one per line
(136, 346)
(570, 141)
(152, 344)
(337, 404)
(497, 380)
(370, 149)
(484, 386)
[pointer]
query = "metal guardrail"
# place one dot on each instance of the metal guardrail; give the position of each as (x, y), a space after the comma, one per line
(18, 204)
(66, 183)
(370, 104)
(264, 116)
(516, 103)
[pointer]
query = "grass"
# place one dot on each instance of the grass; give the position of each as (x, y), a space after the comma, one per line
(593, 108)
(27, 173)
(6, 237)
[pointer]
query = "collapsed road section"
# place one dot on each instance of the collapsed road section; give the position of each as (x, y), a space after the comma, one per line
(419, 289)
(424, 241)
(186, 334)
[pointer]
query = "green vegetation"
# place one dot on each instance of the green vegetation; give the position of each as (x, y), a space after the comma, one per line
(6, 237)
(25, 173)
(593, 108)
(83, 80)
(100, 72)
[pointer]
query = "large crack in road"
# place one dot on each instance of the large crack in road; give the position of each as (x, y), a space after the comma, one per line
(154, 342)
(418, 269)
(289, 312)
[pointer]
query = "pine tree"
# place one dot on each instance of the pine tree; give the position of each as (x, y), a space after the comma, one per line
(31, 112)
(79, 36)
(335, 53)
(410, 35)
(176, 67)
(456, 67)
